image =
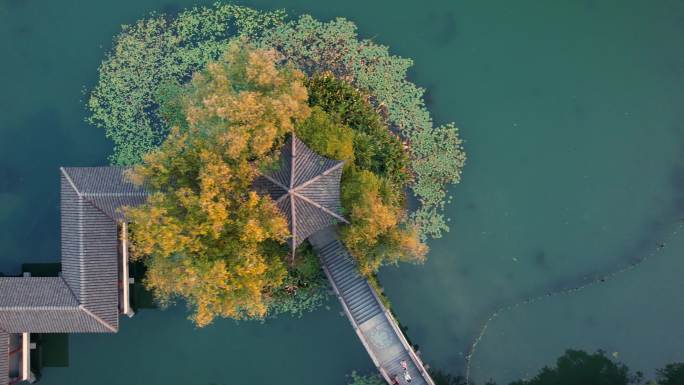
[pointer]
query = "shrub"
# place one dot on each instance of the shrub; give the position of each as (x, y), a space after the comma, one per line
(327, 137)
(379, 150)
(305, 288)
(369, 379)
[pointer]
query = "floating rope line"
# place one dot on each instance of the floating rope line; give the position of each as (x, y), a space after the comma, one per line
(567, 291)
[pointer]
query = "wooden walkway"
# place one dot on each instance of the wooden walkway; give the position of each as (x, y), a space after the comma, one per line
(373, 323)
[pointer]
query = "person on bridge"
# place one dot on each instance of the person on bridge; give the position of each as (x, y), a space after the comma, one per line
(404, 365)
(407, 376)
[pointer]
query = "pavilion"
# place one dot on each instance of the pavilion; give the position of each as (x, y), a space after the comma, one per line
(306, 189)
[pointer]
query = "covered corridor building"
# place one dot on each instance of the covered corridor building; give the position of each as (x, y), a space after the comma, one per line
(92, 289)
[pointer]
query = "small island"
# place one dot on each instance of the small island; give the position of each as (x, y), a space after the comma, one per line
(214, 194)
(250, 176)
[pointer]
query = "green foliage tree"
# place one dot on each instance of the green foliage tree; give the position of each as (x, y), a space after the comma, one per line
(443, 378)
(328, 137)
(671, 374)
(204, 235)
(579, 367)
(334, 47)
(377, 149)
(344, 126)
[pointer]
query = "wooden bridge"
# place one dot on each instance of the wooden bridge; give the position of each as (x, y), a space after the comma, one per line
(374, 324)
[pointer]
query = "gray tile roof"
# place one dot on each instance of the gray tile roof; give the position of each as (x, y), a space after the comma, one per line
(45, 305)
(91, 201)
(89, 251)
(306, 188)
(105, 188)
(53, 320)
(4, 358)
(326, 190)
(308, 165)
(85, 299)
(309, 219)
(35, 292)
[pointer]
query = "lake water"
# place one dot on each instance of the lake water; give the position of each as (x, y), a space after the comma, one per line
(572, 116)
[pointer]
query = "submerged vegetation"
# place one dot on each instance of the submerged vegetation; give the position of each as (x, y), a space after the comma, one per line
(201, 103)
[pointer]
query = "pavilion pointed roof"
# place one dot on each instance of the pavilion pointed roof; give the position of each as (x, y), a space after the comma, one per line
(306, 188)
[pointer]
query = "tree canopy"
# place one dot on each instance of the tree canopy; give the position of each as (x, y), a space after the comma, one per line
(208, 238)
(152, 52)
(152, 57)
(201, 101)
(579, 367)
(436, 153)
(344, 126)
(671, 374)
(205, 235)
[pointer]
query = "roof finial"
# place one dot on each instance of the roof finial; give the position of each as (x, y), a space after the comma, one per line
(306, 190)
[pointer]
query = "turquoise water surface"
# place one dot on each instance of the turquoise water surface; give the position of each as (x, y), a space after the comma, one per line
(572, 116)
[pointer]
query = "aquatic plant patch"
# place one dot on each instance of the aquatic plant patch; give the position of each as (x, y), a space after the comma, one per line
(159, 51)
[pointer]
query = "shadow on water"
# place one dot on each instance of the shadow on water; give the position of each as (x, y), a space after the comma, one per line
(678, 183)
(654, 238)
(580, 110)
(540, 260)
(10, 179)
(428, 98)
(15, 5)
(588, 6)
(22, 32)
(443, 28)
(444, 378)
(171, 10)
(29, 171)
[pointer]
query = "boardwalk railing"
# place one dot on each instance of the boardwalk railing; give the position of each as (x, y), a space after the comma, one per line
(373, 323)
(414, 356)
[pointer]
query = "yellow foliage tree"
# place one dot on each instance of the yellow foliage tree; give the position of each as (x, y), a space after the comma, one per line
(204, 235)
(378, 233)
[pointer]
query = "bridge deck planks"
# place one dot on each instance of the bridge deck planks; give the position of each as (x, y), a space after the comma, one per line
(373, 323)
